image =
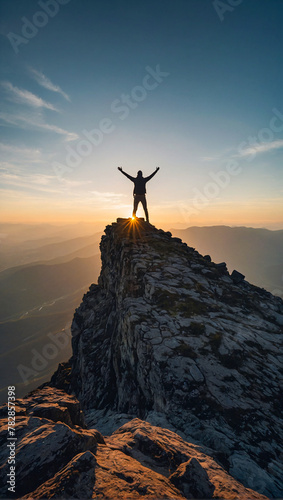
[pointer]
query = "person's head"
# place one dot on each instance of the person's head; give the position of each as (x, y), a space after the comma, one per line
(139, 173)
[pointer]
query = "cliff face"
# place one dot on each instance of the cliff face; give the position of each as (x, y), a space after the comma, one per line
(166, 334)
(169, 337)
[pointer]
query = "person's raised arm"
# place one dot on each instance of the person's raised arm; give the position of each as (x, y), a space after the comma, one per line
(127, 175)
(153, 173)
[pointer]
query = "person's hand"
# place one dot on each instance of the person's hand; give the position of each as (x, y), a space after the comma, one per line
(120, 168)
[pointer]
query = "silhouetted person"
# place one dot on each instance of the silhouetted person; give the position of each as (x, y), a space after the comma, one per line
(139, 189)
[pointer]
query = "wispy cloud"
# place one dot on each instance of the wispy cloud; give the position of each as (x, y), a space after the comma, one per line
(20, 155)
(18, 176)
(209, 158)
(35, 121)
(262, 148)
(37, 188)
(22, 96)
(71, 183)
(107, 197)
(47, 84)
(9, 148)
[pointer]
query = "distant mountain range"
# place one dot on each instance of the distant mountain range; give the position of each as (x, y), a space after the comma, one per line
(37, 301)
(27, 287)
(15, 251)
(257, 253)
(42, 280)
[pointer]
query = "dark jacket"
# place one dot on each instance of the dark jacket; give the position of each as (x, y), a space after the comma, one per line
(139, 182)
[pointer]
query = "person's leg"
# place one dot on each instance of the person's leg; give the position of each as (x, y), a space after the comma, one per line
(144, 204)
(136, 202)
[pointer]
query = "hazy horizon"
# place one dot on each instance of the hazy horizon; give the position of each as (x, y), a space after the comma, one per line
(97, 225)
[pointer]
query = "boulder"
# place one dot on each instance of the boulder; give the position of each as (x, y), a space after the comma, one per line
(237, 277)
(53, 412)
(207, 258)
(192, 480)
(75, 480)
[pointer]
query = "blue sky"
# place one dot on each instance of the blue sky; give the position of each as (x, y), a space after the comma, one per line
(212, 120)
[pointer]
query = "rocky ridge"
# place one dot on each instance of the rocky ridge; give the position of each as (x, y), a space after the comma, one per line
(169, 337)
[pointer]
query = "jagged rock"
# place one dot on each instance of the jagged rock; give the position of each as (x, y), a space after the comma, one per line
(63, 376)
(192, 480)
(53, 412)
(75, 480)
(121, 476)
(42, 448)
(19, 409)
(134, 462)
(164, 452)
(167, 331)
(54, 404)
(222, 268)
(110, 474)
(237, 277)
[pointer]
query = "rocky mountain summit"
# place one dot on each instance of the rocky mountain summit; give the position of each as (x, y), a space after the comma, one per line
(173, 389)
